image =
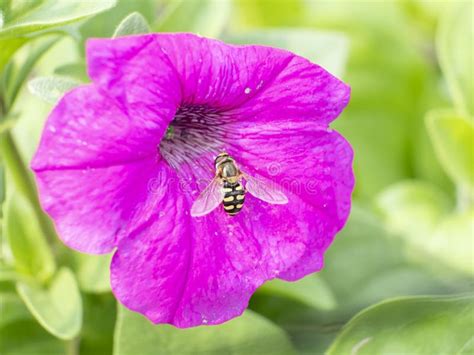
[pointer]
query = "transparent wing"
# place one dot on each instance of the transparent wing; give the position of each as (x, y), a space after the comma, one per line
(209, 199)
(265, 190)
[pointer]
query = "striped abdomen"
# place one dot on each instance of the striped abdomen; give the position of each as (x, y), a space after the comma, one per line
(234, 197)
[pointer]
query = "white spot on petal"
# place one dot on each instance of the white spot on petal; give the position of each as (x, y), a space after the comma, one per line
(247, 90)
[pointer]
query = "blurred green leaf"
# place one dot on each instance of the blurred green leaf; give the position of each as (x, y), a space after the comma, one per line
(312, 291)
(455, 52)
(11, 309)
(133, 24)
(452, 241)
(419, 325)
(258, 13)
(246, 334)
(76, 71)
(59, 307)
(419, 214)
(50, 13)
(27, 242)
(17, 78)
(327, 49)
(9, 47)
(92, 272)
(205, 17)
(453, 139)
(104, 24)
(27, 337)
(412, 209)
(51, 88)
(364, 265)
(374, 265)
(98, 325)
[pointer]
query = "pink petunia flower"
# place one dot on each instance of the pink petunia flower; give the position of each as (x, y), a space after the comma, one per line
(122, 160)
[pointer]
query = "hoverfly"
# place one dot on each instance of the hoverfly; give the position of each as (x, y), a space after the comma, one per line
(227, 188)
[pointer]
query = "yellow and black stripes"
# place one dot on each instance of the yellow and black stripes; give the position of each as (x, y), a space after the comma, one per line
(234, 197)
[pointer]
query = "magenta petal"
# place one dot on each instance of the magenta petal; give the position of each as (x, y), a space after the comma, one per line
(262, 83)
(89, 129)
(91, 207)
(204, 272)
(314, 166)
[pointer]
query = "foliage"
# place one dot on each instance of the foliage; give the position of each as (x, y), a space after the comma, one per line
(410, 120)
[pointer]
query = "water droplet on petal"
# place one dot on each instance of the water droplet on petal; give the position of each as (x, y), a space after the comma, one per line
(247, 91)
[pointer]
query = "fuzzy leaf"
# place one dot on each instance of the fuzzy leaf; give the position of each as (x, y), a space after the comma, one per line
(453, 138)
(456, 55)
(31, 252)
(418, 325)
(248, 334)
(133, 24)
(48, 14)
(59, 307)
(51, 89)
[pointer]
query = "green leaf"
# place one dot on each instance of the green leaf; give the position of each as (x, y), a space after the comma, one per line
(9, 47)
(452, 241)
(247, 334)
(51, 88)
(59, 307)
(104, 25)
(17, 79)
(27, 337)
(455, 52)
(76, 71)
(12, 309)
(419, 325)
(327, 49)
(453, 139)
(419, 214)
(31, 252)
(205, 17)
(51, 13)
(312, 291)
(92, 272)
(374, 265)
(98, 325)
(133, 24)
(412, 209)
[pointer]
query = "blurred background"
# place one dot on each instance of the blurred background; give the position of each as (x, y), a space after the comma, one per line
(399, 277)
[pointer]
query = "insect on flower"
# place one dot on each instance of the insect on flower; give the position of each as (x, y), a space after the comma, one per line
(226, 187)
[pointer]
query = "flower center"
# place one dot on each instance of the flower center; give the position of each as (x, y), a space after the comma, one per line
(196, 133)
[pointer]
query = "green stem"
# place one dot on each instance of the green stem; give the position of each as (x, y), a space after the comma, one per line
(72, 346)
(16, 167)
(22, 179)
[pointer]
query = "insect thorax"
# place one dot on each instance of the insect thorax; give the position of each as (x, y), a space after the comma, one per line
(234, 197)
